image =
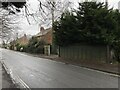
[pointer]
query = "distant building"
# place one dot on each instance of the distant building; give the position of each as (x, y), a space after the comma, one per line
(119, 6)
(21, 41)
(12, 45)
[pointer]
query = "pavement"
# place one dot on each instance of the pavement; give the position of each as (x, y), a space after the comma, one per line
(34, 72)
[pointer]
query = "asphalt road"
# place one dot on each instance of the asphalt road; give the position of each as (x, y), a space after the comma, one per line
(5, 80)
(43, 73)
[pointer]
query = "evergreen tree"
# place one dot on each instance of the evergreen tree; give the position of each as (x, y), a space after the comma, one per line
(65, 30)
(96, 21)
(92, 23)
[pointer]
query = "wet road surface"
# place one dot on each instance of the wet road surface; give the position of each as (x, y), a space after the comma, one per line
(43, 73)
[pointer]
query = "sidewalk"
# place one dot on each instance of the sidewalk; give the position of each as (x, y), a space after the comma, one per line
(101, 66)
(5, 80)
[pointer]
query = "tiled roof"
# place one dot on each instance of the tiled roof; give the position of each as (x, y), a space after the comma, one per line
(43, 32)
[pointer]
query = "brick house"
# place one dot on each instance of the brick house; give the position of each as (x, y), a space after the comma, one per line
(45, 35)
(23, 40)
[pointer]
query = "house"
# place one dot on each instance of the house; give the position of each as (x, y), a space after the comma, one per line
(45, 35)
(23, 40)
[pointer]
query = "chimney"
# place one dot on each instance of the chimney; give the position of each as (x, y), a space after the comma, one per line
(24, 35)
(42, 29)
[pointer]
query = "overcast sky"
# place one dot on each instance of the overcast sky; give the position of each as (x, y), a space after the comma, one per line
(34, 28)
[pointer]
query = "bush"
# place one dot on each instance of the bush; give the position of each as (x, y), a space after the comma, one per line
(35, 46)
(18, 47)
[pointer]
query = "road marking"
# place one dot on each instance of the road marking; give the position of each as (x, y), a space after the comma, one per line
(23, 83)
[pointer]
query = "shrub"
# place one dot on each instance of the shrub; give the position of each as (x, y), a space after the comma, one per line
(35, 46)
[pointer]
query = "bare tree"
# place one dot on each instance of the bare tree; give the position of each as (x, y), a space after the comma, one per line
(51, 10)
(8, 18)
(7, 25)
(47, 13)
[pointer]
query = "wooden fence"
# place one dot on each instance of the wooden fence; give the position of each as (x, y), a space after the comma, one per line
(84, 52)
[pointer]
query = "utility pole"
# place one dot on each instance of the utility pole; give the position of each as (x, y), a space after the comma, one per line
(108, 47)
(52, 12)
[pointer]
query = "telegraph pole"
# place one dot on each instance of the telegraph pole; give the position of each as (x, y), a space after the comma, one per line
(52, 12)
(108, 47)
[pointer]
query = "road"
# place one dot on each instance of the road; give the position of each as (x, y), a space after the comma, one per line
(5, 80)
(43, 73)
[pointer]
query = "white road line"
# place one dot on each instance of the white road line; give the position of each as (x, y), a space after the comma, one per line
(23, 83)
